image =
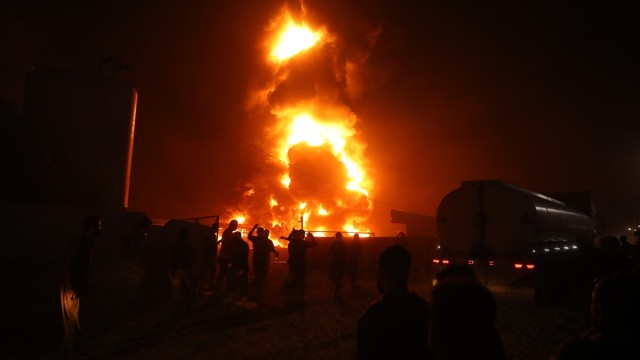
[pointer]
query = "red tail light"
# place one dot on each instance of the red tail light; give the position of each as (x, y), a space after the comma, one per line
(490, 262)
(530, 266)
(436, 261)
(445, 261)
(517, 266)
(470, 262)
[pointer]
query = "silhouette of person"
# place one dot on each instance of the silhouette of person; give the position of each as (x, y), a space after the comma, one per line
(138, 244)
(463, 314)
(354, 253)
(207, 275)
(396, 327)
(262, 249)
(625, 247)
(239, 271)
(224, 256)
(635, 259)
(614, 330)
(182, 269)
(267, 235)
(401, 239)
(75, 284)
(296, 281)
(609, 260)
(156, 284)
(337, 263)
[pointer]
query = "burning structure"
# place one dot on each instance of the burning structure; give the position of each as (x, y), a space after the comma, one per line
(316, 170)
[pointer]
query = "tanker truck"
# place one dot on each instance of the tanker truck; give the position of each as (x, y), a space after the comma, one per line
(512, 236)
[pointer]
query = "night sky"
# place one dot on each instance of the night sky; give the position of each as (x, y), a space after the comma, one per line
(544, 95)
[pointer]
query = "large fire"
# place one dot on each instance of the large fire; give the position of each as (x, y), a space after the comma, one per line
(293, 40)
(317, 174)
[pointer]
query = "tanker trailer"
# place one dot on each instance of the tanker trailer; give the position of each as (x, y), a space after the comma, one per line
(512, 236)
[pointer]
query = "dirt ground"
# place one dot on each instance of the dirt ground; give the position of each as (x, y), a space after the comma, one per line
(324, 329)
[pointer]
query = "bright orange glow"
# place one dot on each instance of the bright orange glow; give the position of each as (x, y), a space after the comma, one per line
(305, 128)
(293, 40)
(286, 181)
(239, 216)
(517, 266)
(320, 231)
(301, 127)
(436, 261)
(352, 229)
(530, 266)
(445, 261)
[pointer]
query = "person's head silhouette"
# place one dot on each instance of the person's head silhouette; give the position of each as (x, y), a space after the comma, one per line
(233, 224)
(394, 263)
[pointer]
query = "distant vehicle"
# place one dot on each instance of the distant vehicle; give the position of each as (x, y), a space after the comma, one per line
(513, 236)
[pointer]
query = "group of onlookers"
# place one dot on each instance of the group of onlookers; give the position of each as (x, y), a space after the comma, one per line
(614, 327)
(459, 323)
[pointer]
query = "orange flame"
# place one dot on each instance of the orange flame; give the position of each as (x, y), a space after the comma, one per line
(294, 40)
(305, 129)
(318, 121)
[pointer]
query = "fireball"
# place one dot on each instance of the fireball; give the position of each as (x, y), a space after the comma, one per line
(293, 40)
(320, 180)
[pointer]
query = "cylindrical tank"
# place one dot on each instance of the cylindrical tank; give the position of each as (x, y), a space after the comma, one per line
(83, 126)
(506, 219)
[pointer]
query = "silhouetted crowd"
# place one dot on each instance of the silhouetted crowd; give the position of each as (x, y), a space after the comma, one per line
(614, 329)
(230, 278)
(459, 323)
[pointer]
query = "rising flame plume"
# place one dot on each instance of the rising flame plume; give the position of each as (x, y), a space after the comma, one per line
(318, 173)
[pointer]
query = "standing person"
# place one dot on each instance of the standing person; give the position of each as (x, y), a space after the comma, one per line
(138, 244)
(401, 239)
(625, 248)
(269, 243)
(224, 256)
(296, 281)
(337, 263)
(463, 317)
(156, 284)
(262, 248)
(207, 275)
(395, 327)
(239, 271)
(75, 284)
(613, 332)
(182, 270)
(354, 253)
